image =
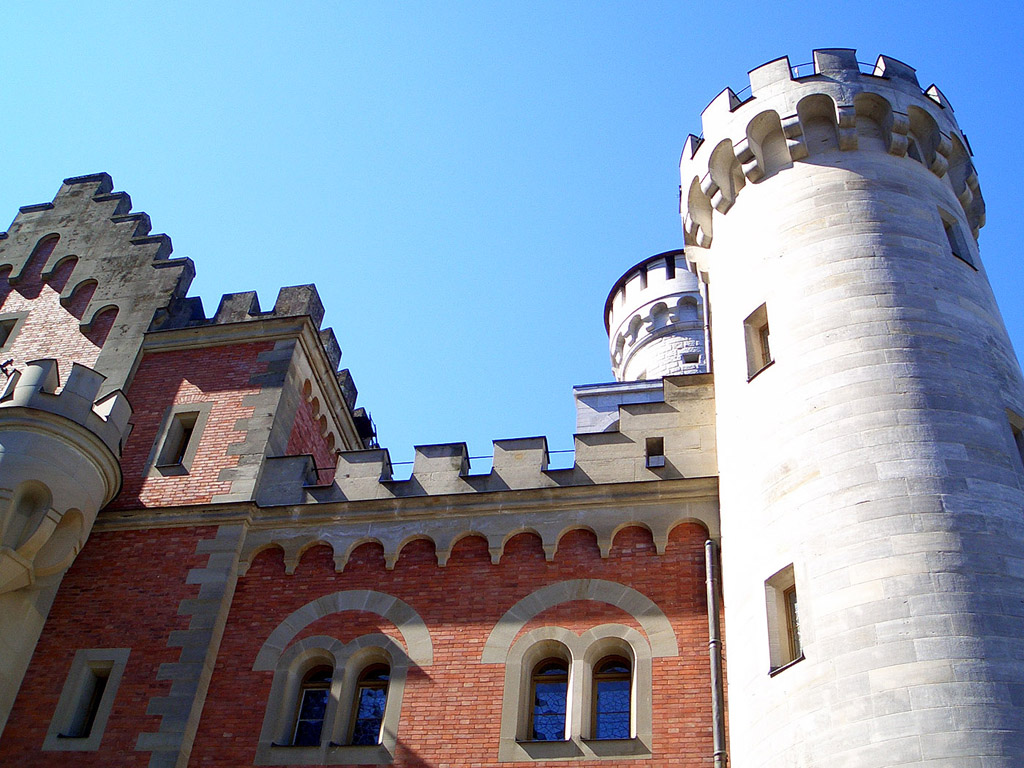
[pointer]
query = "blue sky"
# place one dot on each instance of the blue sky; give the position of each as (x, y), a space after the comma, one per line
(464, 182)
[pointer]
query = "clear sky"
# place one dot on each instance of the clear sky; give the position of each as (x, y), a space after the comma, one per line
(463, 181)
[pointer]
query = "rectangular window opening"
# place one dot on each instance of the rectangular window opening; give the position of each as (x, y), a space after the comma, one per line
(94, 685)
(784, 643)
(757, 337)
(180, 434)
(954, 236)
(655, 450)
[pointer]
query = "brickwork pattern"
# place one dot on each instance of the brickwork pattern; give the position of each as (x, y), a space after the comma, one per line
(50, 329)
(451, 710)
(306, 438)
(123, 591)
(220, 375)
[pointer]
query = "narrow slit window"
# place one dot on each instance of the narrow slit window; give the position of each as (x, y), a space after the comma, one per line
(179, 436)
(6, 330)
(94, 684)
(1017, 430)
(792, 622)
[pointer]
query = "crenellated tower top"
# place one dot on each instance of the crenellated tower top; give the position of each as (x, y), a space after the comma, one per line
(788, 112)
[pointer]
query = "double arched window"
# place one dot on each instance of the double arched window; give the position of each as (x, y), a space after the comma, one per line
(332, 702)
(609, 705)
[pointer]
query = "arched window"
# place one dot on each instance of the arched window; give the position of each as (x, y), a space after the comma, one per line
(369, 704)
(549, 688)
(611, 698)
(313, 696)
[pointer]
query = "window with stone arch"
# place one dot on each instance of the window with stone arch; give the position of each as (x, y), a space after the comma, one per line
(605, 674)
(335, 703)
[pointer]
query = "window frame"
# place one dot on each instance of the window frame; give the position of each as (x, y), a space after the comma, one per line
(597, 677)
(348, 662)
(14, 322)
(757, 340)
(76, 697)
(158, 463)
(785, 641)
(581, 653)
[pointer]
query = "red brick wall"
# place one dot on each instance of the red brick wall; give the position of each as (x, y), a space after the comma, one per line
(50, 330)
(451, 710)
(123, 591)
(219, 375)
(306, 438)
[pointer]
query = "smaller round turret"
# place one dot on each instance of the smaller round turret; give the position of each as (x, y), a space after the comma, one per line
(655, 320)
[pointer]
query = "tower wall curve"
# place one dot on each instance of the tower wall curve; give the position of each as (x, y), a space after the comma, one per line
(869, 447)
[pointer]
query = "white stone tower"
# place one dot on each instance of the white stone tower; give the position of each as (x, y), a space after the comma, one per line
(654, 316)
(869, 414)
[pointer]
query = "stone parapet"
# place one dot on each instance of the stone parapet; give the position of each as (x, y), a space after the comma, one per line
(655, 320)
(788, 117)
(682, 415)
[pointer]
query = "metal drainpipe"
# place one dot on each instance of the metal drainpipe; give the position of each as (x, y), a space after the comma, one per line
(721, 756)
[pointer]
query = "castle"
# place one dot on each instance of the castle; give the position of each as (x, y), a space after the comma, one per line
(206, 560)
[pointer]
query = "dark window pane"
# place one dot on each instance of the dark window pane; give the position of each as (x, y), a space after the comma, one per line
(612, 710)
(307, 733)
(369, 716)
(549, 711)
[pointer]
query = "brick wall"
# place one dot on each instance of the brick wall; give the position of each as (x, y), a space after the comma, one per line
(451, 710)
(306, 438)
(218, 375)
(123, 591)
(50, 329)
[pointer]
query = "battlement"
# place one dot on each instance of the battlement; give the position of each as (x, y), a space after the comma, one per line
(36, 386)
(244, 307)
(682, 415)
(654, 316)
(842, 105)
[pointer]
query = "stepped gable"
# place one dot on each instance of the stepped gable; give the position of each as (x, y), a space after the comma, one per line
(111, 248)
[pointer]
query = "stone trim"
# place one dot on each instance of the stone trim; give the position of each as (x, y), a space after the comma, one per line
(259, 427)
(652, 620)
(347, 661)
(582, 652)
(190, 676)
(412, 628)
(153, 467)
(73, 697)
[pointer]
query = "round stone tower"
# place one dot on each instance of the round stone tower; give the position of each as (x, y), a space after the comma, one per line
(654, 316)
(59, 465)
(870, 409)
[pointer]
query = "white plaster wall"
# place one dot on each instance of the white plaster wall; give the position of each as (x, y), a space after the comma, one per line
(875, 456)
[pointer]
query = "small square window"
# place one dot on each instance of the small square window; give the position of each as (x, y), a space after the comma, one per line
(784, 644)
(655, 452)
(177, 440)
(757, 338)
